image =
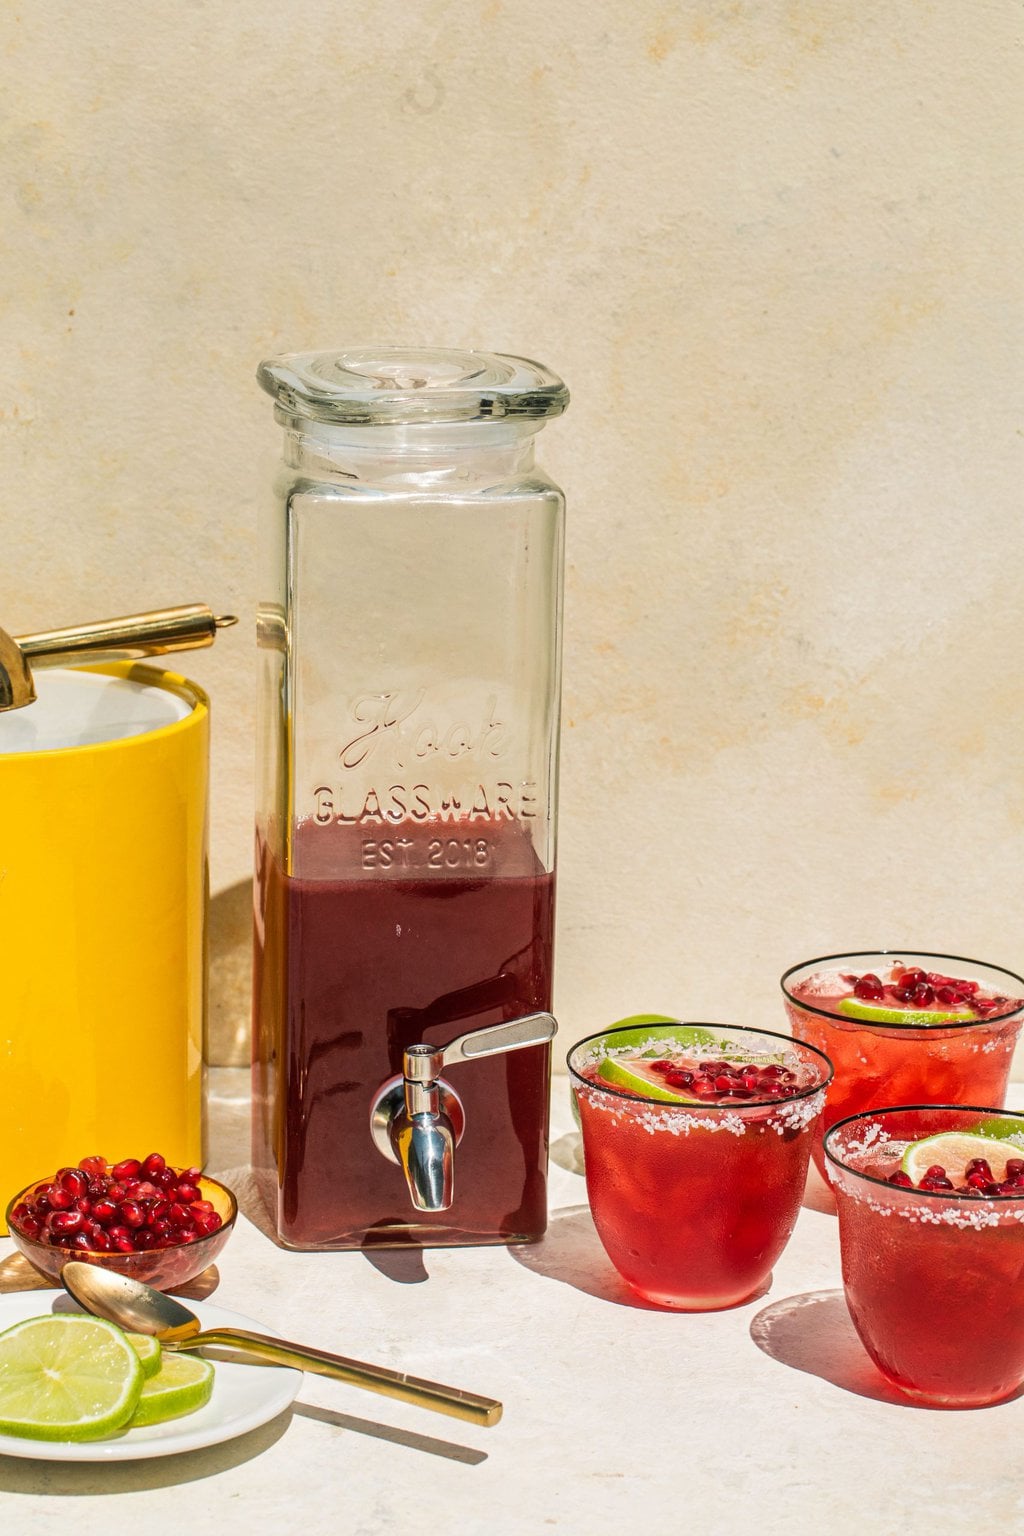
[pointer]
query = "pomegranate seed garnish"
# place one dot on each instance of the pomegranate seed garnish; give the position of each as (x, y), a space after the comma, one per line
(936, 1171)
(869, 988)
(1014, 1167)
(901, 1180)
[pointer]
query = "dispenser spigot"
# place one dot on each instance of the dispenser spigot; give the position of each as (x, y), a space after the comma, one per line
(417, 1119)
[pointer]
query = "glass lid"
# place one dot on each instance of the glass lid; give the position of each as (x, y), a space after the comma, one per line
(391, 385)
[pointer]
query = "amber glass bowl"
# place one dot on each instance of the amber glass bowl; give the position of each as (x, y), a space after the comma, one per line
(163, 1268)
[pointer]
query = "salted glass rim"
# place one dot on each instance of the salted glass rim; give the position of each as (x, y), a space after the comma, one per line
(914, 1193)
(950, 1025)
(696, 1107)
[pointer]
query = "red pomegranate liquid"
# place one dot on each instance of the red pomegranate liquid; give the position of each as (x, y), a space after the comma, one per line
(936, 1301)
(692, 1207)
(349, 972)
(875, 1064)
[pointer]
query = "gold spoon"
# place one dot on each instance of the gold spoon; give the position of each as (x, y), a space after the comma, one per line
(140, 1309)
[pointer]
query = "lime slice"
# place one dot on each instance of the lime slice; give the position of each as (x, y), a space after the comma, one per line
(148, 1350)
(1003, 1128)
(874, 1013)
(67, 1378)
(181, 1385)
(636, 1031)
(954, 1150)
(638, 1076)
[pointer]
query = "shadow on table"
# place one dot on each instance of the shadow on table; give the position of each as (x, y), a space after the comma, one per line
(17, 1274)
(571, 1252)
(813, 1333)
(92, 1479)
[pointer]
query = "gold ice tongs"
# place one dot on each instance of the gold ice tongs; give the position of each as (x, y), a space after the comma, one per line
(138, 634)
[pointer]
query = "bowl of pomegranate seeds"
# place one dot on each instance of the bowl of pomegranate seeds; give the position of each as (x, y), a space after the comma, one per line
(138, 1217)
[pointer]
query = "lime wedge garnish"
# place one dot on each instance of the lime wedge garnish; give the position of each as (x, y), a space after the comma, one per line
(954, 1150)
(875, 1013)
(148, 1350)
(181, 1385)
(637, 1029)
(1003, 1128)
(67, 1378)
(637, 1076)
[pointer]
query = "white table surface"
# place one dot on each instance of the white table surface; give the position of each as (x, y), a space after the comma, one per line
(767, 1418)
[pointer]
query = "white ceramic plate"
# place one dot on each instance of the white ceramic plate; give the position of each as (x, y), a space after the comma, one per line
(244, 1396)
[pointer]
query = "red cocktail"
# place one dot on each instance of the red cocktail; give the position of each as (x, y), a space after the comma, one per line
(696, 1142)
(906, 1027)
(933, 1257)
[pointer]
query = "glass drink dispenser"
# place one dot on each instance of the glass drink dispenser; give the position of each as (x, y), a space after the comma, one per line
(409, 634)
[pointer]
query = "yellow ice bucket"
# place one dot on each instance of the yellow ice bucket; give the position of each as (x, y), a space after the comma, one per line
(103, 892)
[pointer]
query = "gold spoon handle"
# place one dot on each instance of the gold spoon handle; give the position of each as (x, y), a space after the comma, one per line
(138, 634)
(375, 1378)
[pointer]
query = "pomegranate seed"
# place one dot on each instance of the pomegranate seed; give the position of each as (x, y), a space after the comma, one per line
(901, 1180)
(131, 1213)
(1014, 1167)
(936, 1171)
(186, 1192)
(723, 1084)
(60, 1199)
(936, 1182)
(74, 1181)
(104, 1210)
(129, 1169)
(152, 1164)
(978, 1165)
(673, 1079)
(923, 994)
(656, 1066)
(122, 1243)
(869, 988)
(30, 1226)
(65, 1221)
(95, 1167)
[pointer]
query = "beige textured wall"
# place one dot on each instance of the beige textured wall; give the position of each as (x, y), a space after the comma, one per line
(774, 249)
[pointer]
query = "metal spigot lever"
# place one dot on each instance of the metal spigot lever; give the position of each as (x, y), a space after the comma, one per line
(418, 1119)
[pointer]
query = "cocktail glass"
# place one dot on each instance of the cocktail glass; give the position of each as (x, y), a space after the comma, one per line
(960, 1063)
(932, 1278)
(694, 1202)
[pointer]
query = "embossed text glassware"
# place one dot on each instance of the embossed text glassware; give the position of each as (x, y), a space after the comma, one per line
(932, 1276)
(408, 723)
(695, 1201)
